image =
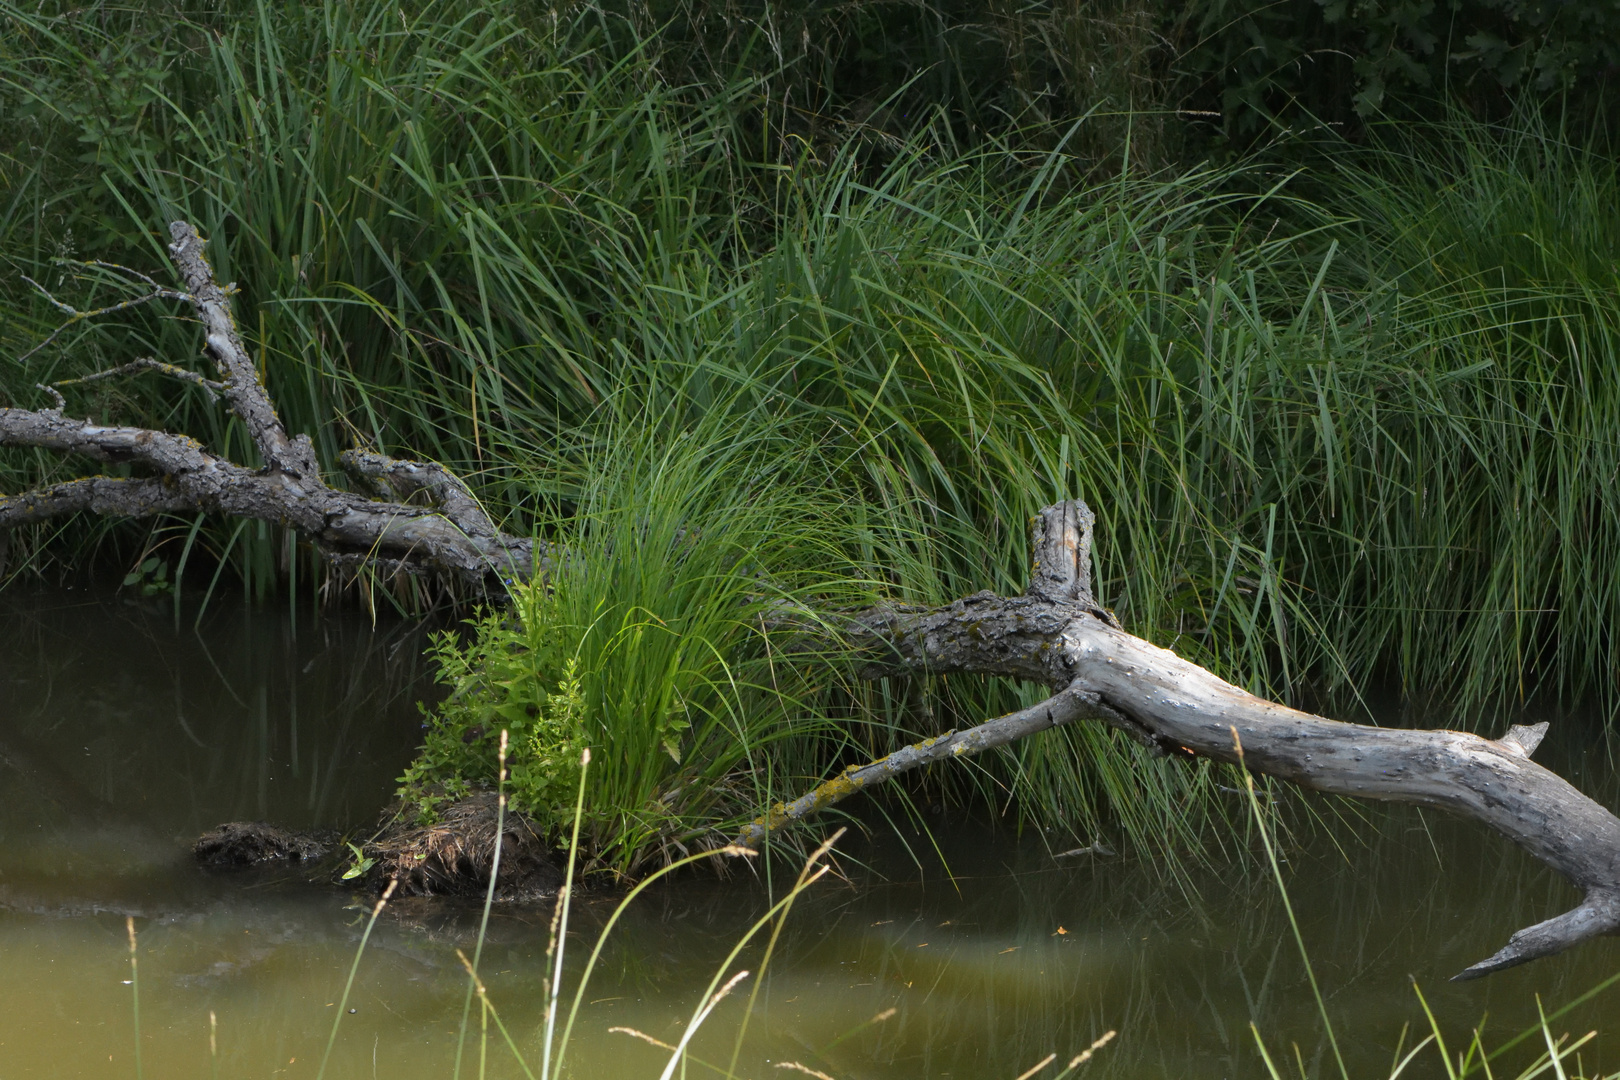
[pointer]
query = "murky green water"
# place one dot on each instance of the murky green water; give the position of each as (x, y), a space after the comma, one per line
(122, 738)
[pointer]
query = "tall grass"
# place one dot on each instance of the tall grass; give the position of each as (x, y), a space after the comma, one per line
(434, 218)
(1502, 265)
(656, 638)
(1331, 440)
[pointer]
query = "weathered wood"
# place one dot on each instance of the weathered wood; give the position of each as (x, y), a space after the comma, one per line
(110, 495)
(1058, 636)
(244, 390)
(451, 537)
(1064, 707)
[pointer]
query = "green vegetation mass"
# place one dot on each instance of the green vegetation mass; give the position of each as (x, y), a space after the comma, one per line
(1346, 408)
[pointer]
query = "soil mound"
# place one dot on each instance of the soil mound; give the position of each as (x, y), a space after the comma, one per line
(249, 843)
(452, 857)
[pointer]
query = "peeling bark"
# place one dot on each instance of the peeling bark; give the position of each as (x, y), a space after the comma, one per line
(451, 537)
(1058, 635)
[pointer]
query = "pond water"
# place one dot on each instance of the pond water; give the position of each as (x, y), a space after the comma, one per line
(123, 736)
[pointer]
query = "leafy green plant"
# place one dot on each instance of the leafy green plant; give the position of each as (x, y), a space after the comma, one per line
(362, 863)
(511, 675)
(651, 636)
(151, 578)
(1303, 64)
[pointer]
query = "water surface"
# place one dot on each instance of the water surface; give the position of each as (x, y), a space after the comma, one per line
(123, 736)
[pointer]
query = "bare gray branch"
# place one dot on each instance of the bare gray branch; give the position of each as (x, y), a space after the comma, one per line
(147, 363)
(1058, 636)
(244, 391)
(453, 539)
(402, 479)
(116, 496)
(74, 316)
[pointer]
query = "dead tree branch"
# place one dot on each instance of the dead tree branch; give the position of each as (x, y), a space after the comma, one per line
(146, 363)
(1055, 634)
(450, 537)
(1058, 635)
(74, 316)
(111, 495)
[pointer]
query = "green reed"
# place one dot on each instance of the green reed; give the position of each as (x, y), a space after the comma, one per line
(489, 901)
(354, 968)
(1267, 842)
(1338, 429)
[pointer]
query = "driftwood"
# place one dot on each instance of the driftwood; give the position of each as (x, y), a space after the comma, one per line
(1055, 634)
(452, 538)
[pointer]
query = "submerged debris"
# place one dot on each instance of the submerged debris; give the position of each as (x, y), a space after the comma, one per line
(452, 857)
(249, 843)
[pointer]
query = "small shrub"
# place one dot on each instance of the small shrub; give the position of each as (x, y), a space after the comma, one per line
(512, 676)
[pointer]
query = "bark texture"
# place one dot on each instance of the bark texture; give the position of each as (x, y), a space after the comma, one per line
(450, 536)
(1058, 635)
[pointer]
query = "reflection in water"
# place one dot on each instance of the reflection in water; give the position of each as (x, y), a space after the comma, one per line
(121, 739)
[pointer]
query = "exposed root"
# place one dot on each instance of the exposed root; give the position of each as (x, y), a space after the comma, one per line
(453, 856)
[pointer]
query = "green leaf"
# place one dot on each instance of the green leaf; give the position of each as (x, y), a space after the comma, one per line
(361, 864)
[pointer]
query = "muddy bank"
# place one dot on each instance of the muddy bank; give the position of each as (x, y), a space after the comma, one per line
(454, 856)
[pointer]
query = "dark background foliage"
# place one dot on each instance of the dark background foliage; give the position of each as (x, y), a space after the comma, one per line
(1215, 71)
